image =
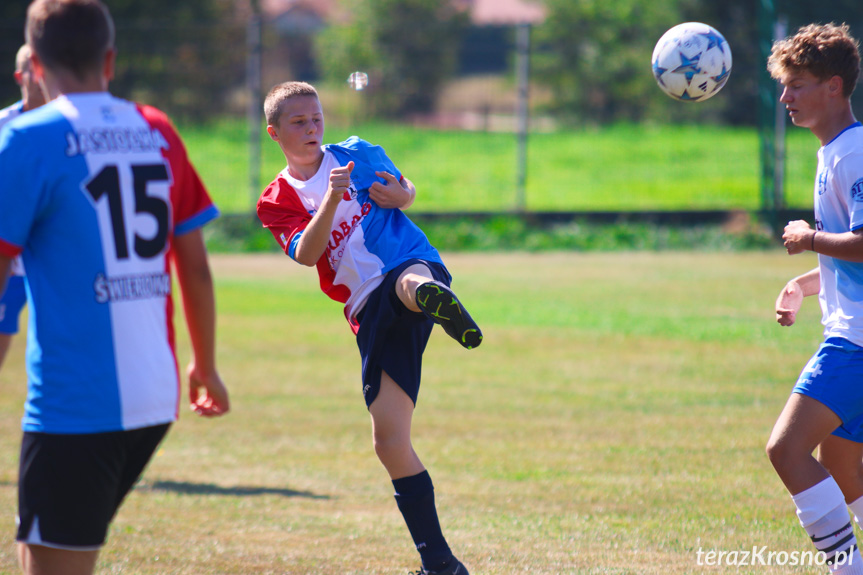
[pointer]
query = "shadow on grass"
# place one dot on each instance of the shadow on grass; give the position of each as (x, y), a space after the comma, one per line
(186, 488)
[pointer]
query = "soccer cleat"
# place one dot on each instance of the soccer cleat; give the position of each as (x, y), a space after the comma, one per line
(454, 568)
(440, 304)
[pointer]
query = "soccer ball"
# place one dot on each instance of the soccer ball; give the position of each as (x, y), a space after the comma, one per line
(691, 62)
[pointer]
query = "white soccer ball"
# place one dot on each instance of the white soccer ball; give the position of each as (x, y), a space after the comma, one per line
(691, 62)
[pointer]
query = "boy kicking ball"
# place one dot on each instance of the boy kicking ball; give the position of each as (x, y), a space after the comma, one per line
(339, 207)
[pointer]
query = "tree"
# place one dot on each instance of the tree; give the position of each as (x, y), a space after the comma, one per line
(180, 56)
(184, 57)
(595, 56)
(407, 47)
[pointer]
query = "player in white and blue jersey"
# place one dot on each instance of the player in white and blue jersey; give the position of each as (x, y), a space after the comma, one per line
(13, 298)
(339, 207)
(98, 198)
(818, 69)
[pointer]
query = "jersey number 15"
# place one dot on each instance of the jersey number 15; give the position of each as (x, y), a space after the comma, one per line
(107, 183)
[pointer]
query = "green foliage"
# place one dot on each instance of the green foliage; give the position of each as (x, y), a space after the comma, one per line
(615, 168)
(595, 55)
(182, 57)
(191, 69)
(407, 47)
(514, 233)
(243, 233)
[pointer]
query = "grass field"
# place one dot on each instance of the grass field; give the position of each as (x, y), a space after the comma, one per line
(624, 168)
(613, 422)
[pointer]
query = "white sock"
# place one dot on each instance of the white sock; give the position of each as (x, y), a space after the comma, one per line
(857, 509)
(822, 513)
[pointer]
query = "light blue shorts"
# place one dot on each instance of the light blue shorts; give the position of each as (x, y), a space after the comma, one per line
(834, 377)
(11, 304)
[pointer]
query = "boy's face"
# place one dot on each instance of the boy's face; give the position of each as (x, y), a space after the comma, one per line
(300, 130)
(806, 97)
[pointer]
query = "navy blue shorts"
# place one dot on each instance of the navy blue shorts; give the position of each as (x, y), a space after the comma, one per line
(11, 303)
(833, 377)
(70, 486)
(392, 338)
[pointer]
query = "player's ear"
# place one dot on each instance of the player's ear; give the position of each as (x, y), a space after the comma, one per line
(110, 61)
(272, 132)
(834, 85)
(36, 67)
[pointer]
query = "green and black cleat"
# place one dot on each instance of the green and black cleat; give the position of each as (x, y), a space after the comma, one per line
(440, 304)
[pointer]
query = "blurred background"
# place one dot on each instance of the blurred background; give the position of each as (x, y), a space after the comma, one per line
(543, 107)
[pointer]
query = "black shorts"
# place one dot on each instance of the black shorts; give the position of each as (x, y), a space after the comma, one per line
(392, 338)
(70, 486)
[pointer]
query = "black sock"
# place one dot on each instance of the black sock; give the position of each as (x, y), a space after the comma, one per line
(415, 498)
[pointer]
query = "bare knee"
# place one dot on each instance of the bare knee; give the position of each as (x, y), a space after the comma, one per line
(391, 448)
(409, 281)
(847, 472)
(780, 453)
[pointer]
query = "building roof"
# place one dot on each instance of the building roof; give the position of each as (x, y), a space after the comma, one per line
(500, 12)
(483, 12)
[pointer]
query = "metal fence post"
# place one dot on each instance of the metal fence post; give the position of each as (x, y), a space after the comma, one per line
(254, 113)
(768, 117)
(523, 74)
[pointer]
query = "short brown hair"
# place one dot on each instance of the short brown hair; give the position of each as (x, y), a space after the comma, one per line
(281, 92)
(824, 50)
(73, 35)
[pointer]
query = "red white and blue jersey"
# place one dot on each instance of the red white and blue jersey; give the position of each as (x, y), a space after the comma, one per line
(366, 241)
(94, 189)
(7, 114)
(839, 209)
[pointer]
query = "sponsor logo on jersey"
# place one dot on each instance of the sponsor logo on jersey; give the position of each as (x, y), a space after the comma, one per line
(341, 233)
(132, 287)
(822, 182)
(108, 114)
(351, 193)
(857, 190)
(112, 140)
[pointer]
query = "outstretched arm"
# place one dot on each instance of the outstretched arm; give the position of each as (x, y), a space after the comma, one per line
(207, 393)
(791, 297)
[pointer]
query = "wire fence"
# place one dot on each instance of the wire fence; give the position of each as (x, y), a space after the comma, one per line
(211, 81)
(477, 147)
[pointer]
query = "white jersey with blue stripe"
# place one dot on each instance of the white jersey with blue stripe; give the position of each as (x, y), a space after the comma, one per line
(839, 209)
(94, 189)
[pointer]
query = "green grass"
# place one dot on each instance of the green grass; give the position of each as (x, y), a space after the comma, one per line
(624, 168)
(612, 422)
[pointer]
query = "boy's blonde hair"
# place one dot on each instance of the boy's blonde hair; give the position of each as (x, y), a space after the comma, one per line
(824, 50)
(281, 92)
